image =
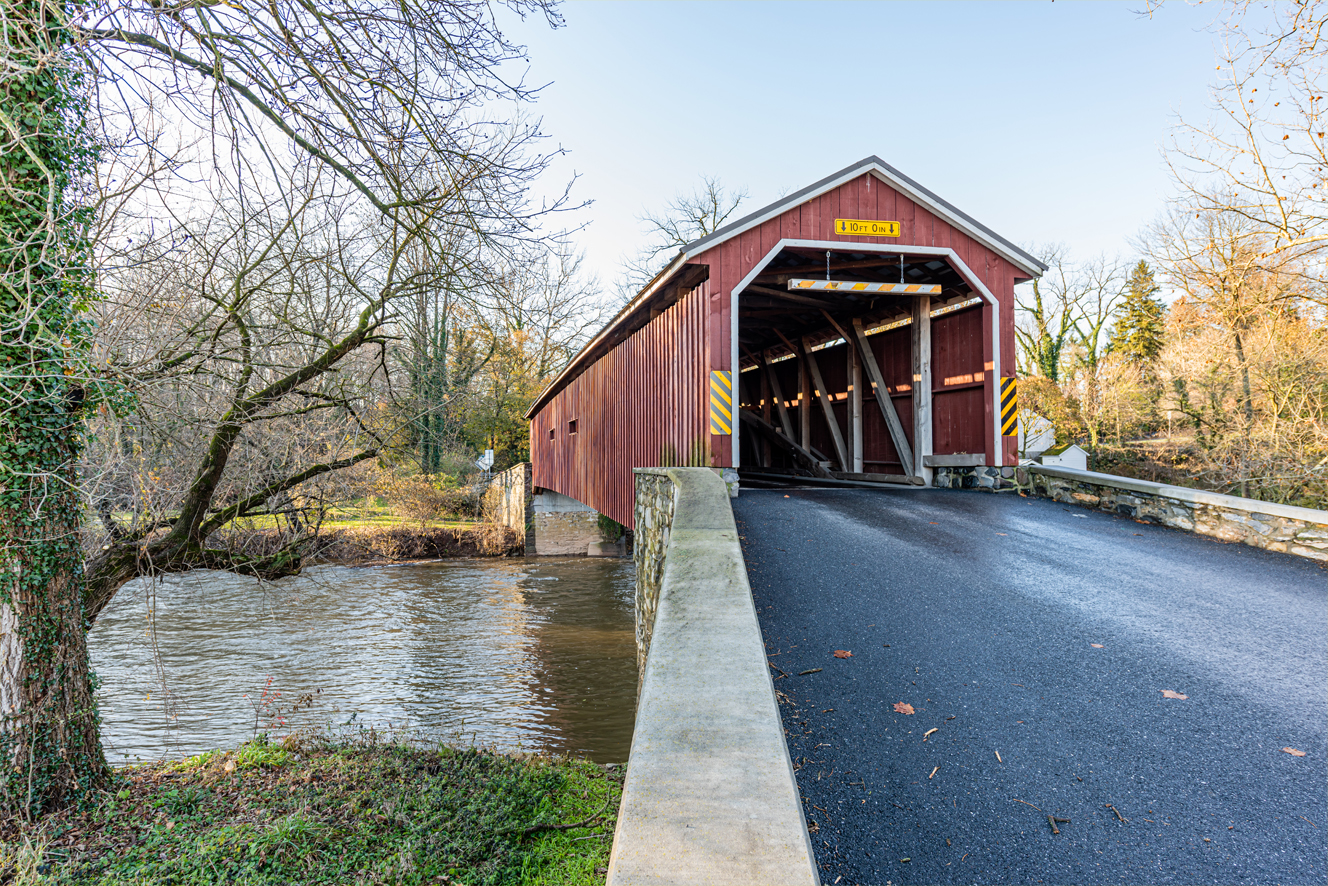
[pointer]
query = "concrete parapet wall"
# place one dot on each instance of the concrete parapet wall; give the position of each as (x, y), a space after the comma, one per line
(1274, 527)
(710, 795)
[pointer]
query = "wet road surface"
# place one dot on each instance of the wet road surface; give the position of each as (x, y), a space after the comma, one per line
(1037, 639)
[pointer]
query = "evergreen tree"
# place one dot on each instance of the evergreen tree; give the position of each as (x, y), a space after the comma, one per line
(1141, 320)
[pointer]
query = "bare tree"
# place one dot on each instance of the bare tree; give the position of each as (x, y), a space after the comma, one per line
(1262, 156)
(254, 258)
(1233, 284)
(687, 217)
(547, 310)
(1063, 316)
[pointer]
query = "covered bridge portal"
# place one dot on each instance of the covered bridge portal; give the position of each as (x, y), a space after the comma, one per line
(870, 324)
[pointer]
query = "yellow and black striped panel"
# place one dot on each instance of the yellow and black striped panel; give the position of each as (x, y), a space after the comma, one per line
(721, 402)
(1009, 407)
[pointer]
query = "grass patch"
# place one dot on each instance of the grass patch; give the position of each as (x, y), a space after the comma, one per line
(326, 811)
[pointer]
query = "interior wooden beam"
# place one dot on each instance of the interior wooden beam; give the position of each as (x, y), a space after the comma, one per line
(855, 405)
(796, 298)
(892, 262)
(778, 441)
(823, 395)
(922, 413)
(778, 395)
(868, 477)
(892, 422)
(804, 392)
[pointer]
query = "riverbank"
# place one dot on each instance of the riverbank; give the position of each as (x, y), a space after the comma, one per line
(363, 810)
(369, 545)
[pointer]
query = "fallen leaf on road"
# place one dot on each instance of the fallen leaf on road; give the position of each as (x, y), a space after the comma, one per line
(786, 496)
(1096, 645)
(810, 671)
(1167, 693)
(902, 707)
(843, 653)
(1002, 533)
(929, 732)
(1293, 752)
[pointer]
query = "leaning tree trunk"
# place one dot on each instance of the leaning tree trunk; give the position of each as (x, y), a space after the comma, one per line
(49, 748)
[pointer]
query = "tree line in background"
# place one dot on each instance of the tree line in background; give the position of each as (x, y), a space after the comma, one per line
(1227, 386)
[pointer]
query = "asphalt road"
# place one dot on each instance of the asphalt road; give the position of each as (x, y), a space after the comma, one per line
(981, 611)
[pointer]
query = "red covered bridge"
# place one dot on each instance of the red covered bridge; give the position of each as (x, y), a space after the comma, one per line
(859, 329)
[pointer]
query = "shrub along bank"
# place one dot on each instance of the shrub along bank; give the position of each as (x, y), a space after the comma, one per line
(330, 812)
(359, 546)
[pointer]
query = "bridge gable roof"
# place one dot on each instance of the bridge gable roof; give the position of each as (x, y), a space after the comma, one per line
(798, 216)
(882, 171)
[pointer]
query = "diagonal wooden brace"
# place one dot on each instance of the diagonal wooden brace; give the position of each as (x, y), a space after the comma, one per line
(892, 422)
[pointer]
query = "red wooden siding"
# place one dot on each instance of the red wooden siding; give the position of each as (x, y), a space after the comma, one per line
(959, 384)
(643, 404)
(894, 355)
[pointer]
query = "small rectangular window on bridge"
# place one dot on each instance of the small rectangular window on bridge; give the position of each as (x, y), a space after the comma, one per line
(571, 426)
(551, 430)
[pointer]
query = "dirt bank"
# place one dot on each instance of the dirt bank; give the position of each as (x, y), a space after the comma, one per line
(362, 546)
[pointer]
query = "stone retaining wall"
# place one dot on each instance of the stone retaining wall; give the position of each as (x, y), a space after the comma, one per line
(974, 477)
(654, 520)
(1273, 527)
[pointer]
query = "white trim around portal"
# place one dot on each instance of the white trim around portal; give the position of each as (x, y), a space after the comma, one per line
(899, 249)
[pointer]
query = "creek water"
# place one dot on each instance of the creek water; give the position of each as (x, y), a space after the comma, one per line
(537, 655)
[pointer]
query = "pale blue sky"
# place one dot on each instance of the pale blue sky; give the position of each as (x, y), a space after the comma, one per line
(1045, 121)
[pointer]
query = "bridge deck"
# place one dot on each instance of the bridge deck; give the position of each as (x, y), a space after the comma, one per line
(984, 608)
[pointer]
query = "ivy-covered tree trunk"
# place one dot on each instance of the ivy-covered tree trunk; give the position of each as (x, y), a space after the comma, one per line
(49, 745)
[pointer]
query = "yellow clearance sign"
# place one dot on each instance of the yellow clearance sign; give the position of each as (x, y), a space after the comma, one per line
(857, 227)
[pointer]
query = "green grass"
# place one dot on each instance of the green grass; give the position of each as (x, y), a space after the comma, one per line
(330, 812)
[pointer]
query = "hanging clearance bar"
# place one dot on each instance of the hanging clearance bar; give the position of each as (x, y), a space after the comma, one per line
(853, 286)
(1009, 407)
(721, 402)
